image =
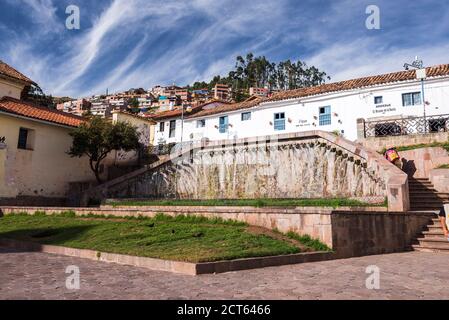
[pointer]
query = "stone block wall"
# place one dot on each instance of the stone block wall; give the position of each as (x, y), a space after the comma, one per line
(440, 179)
(312, 164)
(369, 233)
(381, 143)
(419, 163)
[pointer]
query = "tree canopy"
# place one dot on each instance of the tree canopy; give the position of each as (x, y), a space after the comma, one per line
(259, 72)
(97, 137)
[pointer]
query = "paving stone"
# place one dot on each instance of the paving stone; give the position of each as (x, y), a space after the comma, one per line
(413, 275)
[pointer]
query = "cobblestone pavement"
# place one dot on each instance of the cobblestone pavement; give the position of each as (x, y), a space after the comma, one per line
(413, 275)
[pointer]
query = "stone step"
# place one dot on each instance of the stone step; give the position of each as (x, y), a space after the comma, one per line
(426, 201)
(426, 192)
(434, 231)
(435, 224)
(420, 183)
(432, 250)
(424, 208)
(412, 189)
(434, 243)
(434, 236)
(428, 196)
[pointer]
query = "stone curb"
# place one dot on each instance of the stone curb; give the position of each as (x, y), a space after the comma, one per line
(187, 268)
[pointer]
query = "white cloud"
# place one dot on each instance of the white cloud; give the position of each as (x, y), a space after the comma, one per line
(134, 29)
(357, 58)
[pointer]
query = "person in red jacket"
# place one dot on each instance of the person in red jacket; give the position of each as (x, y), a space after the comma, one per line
(392, 155)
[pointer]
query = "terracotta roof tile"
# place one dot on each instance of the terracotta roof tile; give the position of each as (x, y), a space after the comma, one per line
(28, 110)
(9, 71)
(229, 107)
(435, 71)
(178, 112)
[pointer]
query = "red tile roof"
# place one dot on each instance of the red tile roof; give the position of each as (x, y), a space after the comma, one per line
(228, 107)
(9, 71)
(21, 108)
(436, 71)
(178, 112)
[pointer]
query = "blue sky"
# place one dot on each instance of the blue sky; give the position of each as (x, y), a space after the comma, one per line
(141, 43)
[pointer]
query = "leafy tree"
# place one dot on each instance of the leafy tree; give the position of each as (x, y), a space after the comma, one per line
(97, 137)
(134, 105)
(35, 95)
(251, 71)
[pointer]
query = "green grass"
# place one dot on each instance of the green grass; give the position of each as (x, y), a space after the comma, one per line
(444, 145)
(334, 203)
(184, 238)
(443, 166)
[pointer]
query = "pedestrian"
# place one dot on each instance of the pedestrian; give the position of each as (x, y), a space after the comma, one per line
(392, 155)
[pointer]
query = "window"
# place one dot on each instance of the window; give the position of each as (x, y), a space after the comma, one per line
(201, 123)
(26, 139)
(223, 124)
(279, 121)
(411, 99)
(325, 116)
(246, 116)
(172, 131)
(378, 100)
(162, 127)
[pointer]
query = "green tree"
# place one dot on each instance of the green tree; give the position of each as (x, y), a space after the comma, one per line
(134, 105)
(97, 137)
(251, 71)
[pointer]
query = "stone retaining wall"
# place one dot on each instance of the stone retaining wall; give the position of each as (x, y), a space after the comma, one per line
(348, 231)
(313, 164)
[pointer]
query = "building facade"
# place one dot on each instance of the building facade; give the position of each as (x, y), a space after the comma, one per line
(334, 107)
(76, 107)
(34, 164)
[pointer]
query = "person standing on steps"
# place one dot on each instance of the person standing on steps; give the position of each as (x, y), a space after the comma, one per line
(442, 216)
(392, 155)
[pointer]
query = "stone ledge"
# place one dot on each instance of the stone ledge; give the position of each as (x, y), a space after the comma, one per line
(105, 209)
(187, 268)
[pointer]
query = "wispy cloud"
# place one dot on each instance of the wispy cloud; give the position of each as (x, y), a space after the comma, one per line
(139, 43)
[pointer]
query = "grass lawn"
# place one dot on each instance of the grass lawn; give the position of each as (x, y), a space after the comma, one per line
(191, 239)
(334, 203)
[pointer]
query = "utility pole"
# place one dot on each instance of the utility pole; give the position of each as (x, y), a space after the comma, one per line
(421, 74)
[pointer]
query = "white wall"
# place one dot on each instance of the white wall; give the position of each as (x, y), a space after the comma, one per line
(346, 108)
(10, 89)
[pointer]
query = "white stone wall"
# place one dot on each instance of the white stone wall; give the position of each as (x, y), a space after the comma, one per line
(302, 114)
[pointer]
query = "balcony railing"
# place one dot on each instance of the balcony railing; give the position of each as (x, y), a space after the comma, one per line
(407, 126)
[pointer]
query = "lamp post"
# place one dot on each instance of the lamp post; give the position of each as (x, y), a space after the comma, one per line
(418, 65)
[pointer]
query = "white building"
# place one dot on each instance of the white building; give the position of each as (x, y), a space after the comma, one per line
(333, 107)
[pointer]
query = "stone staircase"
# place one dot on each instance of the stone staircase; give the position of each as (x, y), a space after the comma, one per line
(424, 197)
(432, 239)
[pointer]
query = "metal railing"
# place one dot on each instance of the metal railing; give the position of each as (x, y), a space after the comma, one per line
(407, 126)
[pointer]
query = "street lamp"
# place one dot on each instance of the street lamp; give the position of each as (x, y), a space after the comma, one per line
(418, 65)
